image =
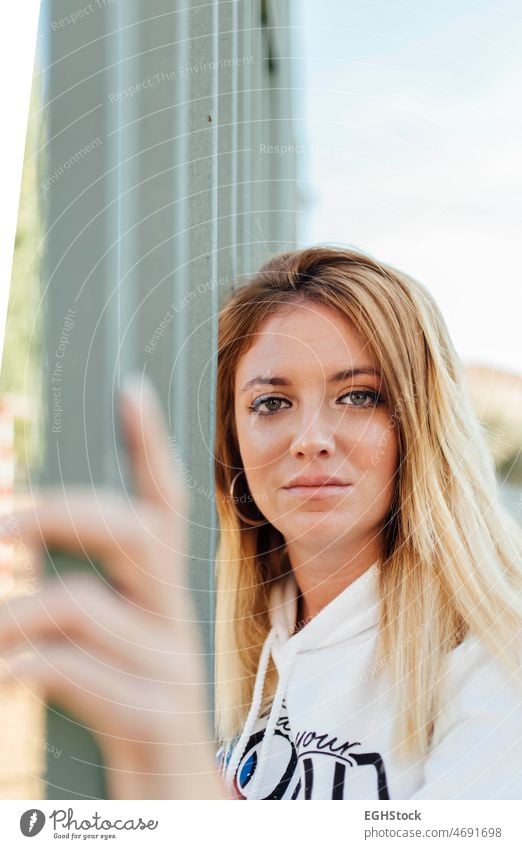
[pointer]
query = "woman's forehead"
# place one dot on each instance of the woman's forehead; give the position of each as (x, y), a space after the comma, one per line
(296, 344)
(306, 336)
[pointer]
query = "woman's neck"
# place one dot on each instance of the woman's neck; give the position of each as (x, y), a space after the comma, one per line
(323, 576)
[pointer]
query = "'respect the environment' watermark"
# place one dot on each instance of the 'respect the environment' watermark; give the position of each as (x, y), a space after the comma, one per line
(154, 80)
(59, 172)
(81, 13)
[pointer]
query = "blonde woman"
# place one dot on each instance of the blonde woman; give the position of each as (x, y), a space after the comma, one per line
(369, 612)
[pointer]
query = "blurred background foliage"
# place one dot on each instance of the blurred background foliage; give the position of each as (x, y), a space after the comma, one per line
(21, 373)
(496, 396)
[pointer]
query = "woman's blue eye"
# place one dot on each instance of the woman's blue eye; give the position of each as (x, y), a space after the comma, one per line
(362, 398)
(270, 401)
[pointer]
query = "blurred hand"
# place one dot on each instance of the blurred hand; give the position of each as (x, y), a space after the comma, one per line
(120, 651)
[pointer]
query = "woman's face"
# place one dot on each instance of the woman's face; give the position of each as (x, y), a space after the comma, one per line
(317, 439)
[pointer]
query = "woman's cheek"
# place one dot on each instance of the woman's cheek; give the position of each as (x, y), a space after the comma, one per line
(376, 454)
(382, 454)
(260, 443)
(258, 458)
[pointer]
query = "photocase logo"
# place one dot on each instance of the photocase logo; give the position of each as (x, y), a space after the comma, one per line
(32, 822)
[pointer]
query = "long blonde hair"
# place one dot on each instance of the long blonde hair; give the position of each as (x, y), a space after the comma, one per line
(451, 561)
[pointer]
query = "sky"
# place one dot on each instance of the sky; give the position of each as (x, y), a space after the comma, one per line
(410, 121)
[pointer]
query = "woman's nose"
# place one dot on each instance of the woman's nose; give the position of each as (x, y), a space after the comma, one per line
(313, 437)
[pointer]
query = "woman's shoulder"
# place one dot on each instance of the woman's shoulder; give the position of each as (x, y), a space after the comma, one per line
(476, 750)
(473, 660)
(478, 682)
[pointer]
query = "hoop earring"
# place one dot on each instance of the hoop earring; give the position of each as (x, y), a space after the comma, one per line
(254, 523)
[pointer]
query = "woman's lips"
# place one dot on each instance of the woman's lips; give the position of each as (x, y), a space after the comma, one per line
(322, 491)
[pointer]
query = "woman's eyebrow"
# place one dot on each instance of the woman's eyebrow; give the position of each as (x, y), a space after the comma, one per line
(334, 378)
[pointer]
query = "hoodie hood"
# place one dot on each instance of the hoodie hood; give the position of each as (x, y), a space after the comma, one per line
(349, 617)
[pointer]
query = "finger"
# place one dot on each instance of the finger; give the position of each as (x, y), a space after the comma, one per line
(110, 701)
(143, 553)
(80, 610)
(147, 437)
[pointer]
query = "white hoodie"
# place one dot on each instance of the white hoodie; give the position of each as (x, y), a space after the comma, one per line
(327, 734)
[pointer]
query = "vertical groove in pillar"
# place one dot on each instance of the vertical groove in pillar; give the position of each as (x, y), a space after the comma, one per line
(246, 108)
(194, 365)
(230, 63)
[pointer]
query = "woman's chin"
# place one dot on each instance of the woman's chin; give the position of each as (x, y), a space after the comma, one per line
(317, 526)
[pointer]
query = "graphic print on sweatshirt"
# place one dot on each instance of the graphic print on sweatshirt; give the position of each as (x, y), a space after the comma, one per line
(311, 765)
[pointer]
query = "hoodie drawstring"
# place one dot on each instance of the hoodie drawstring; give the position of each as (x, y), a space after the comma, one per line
(255, 707)
(275, 711)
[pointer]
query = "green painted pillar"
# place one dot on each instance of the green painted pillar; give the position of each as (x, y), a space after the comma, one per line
(152, 207)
